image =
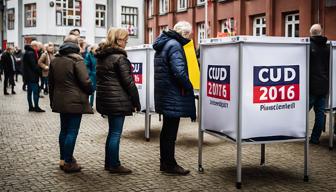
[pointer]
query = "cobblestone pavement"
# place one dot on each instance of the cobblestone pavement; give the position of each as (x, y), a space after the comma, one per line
(29, 157)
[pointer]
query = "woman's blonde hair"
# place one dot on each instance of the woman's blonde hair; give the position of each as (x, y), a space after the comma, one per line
(113, 35)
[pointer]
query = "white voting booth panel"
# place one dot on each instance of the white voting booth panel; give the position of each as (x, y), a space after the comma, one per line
(257, 84)
(142, 59)
(333, 71)
(254, 91)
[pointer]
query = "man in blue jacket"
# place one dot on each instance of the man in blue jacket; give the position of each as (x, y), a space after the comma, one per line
(173, 91)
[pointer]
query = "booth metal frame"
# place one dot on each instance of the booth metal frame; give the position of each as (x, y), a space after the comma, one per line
(239, 141)
(331, 109)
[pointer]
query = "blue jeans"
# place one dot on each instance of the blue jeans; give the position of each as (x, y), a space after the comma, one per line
(92, 99)
(44, 83)
(33, 89)
(318, 102)
(70, 124)
(116, 124)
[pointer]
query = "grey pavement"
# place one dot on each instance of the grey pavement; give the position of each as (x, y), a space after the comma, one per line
(29, 156)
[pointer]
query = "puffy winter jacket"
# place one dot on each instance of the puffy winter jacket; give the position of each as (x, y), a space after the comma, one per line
(173, 91)
(116, 90)
(69, 82)
(319, 66)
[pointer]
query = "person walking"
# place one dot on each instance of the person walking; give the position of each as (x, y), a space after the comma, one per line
(8, 62)
(18, 67)
(69, 87)
(117, 95)
(31, 75)
(318, 79)
(91, 63)
(173, 91)
(44, 63)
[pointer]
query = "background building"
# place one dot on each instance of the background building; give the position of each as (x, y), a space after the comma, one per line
(242, 17)
(51, 20)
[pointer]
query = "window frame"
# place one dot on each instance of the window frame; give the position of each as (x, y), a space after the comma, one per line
(101, 18)
(150, 35)
(201, 31)
(260, 26)
(32, 17)
(200, 2)
(292, 23)
(179, 8)
(163, 4)
(150, 9)
(62, 8)
(135, 20)
(9, 20)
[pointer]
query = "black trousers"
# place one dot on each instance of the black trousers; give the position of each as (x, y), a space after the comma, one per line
(9, 80)
(167, 140)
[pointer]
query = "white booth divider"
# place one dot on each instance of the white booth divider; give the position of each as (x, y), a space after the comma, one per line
(254, 91)
(142, 59)
(332, 92)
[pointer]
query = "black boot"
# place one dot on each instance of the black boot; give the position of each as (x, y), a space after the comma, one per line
(39, 110)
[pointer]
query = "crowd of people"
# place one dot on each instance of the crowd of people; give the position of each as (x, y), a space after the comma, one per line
(73, 74)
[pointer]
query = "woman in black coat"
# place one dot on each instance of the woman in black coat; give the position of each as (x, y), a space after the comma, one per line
(174, 94)
(117, 95)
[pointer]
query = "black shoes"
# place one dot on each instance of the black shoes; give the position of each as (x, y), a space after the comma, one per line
(174, 170)
(36, 109)
(6, 93)
(39, 110)
(13, 92)
(314, 142)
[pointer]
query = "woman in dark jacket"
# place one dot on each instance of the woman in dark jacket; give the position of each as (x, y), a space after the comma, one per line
(174, 95)
(117, 95)
(69, 87)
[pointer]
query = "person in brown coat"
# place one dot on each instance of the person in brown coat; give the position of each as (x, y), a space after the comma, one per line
(44, 63)
(117, 95)
(69, 87)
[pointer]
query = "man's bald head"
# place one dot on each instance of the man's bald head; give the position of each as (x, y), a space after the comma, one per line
(316, 30)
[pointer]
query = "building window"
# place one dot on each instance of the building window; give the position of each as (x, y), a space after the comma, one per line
(200, 32)
(69, 12)
(164, 28)
(100, 15)
(182, 5)
(150, 8)
(292, 25)
(330, 3)
(10, 18)
(259, 26)
(164, 6)
(227, 26)
(200, 2)
(150, 36)
(129, 19)
(30, 15)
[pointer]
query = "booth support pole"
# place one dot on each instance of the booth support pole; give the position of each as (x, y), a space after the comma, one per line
(306, 144)
(331, 116)
(147, 115)
(200, 132)
(262, 158)
(238, 140)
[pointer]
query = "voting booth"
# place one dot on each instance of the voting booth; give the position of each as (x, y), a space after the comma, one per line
(142, 60)
(254, 91)
(332, 92)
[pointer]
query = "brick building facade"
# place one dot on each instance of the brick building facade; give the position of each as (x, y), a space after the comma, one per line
(241, 17)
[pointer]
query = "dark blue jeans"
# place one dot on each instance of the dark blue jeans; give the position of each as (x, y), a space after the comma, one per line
(44, 83)
(318, 102)
(33, 89)
(92, 99)
(70, 124)
(116, 124)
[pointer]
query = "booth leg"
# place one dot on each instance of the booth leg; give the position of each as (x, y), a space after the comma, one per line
(239, 165)
(263, 154)
(200, 150)
(147, 126)
(331, 130)
(306, 177)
